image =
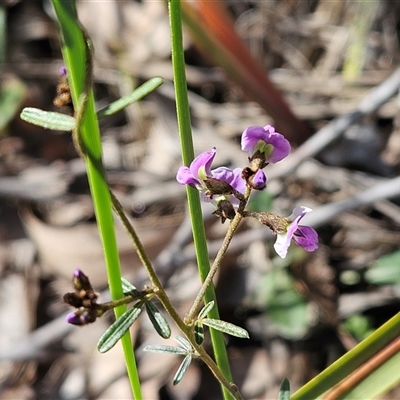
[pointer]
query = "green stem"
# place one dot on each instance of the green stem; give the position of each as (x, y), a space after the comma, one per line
(77, 59)
(185, 132)
(233, 226)
(130, 298)
(197, 304)
(159, 291)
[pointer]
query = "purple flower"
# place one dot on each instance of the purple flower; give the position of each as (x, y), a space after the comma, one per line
(265, 140)
(304, 236)
(199, 171)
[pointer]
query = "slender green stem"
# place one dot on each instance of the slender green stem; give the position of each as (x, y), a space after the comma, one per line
(130, 298)
(185, 132)
(229, 388)
(197, 304)
(233, 226)
(77, 59)
(159, 291)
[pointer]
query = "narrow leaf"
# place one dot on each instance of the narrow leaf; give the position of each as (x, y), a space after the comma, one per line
(159, 348)
(119, 328)
(199, 333)
(206, 309)
(136, 95)
(48, 120)
(128, 288)
(182, 369)
(158, 320)
(184, 343)
(284, 391)
(226, 327)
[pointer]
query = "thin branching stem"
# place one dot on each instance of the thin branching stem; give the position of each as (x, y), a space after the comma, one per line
(233, 226)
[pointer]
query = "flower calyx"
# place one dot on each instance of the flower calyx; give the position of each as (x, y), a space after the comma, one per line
(224, 210)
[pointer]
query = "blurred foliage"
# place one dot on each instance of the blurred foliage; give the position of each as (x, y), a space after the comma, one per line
(359, 326)
(285, 309)
(260, 201)
(12, 94)
(385, 270)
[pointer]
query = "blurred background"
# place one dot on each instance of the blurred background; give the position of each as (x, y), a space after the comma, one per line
(297, 64)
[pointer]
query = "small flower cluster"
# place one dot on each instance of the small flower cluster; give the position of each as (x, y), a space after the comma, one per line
(228, 189)
(84, 299)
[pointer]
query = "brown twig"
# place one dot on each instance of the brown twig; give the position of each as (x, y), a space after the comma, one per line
(362, 372)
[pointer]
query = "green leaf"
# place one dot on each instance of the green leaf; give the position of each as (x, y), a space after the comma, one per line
(385, 270)
(136, 95)
(119, 328)
(199, 333)
(206, 309)
(160, 348)
(226, 327)
(49, 120)
(182, 369)
(158, 320)
(128, 288)
(284, 391)
(184, 343)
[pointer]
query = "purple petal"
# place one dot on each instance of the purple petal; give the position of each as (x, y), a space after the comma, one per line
(237, 182)
(223, 174)
(298, 213)
(184, 177)
(306, 237)
(281, 147)
(233, 178)
(278, 147)
(283, 240)
(250, 137)
(201, 165)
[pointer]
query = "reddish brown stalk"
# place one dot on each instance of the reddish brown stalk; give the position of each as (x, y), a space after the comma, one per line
(362, 372)
(213, 32)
